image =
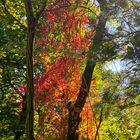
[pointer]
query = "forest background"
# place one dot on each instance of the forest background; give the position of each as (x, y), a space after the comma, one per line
(57, 80)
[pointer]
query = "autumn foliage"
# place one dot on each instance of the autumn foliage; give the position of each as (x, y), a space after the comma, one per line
(65, 36)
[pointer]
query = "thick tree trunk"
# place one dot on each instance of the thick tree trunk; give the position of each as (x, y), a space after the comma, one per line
(76, 109)
(74, 112)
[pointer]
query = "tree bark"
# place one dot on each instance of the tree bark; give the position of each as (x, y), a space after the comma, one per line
(76, 109)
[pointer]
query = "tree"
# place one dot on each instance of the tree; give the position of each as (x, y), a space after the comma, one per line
(12, 72)
(32, 19)
(73, 38)
(31, 25)
(74, 115)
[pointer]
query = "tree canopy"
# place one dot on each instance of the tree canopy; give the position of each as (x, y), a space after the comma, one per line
(70, 70)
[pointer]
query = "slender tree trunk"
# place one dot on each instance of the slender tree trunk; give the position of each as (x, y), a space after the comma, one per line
(76, 109)
(22, 120)
(98, 126)
(31, 22)
(30, 85)
(29, 59)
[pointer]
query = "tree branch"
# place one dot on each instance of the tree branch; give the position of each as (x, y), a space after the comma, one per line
(8, 13)
(38, 14)
(98, 126)
(29, 12)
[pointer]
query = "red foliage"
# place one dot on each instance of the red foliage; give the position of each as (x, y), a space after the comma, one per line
(64, 31)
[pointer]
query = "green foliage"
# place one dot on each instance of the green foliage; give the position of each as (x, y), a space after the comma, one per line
(120, 106)
(9, 112)
(12, 74)
(121, 125)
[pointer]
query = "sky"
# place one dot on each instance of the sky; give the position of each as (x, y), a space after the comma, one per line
(115, 65)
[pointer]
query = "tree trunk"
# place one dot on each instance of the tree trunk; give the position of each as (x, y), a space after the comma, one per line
(30, 86)
(29, 58)
(22, 120)
(31, 22)
(98, 126)
(76, 109)
(74, 112)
